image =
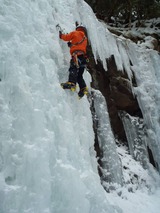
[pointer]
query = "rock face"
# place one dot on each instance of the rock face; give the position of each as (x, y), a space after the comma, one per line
(114, 84)
(124, 112)
(115, 87)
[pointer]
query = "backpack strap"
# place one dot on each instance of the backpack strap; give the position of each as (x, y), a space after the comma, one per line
(80, 42)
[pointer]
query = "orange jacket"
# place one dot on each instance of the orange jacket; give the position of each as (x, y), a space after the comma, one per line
(76, 37)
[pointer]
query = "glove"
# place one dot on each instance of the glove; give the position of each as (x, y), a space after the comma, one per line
(69, 44)
(60, 34)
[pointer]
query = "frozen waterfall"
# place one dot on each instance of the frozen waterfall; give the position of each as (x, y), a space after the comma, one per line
(47, 159)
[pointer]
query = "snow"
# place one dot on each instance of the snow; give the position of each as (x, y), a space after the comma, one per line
(137, 202)
(145, 199)
(47, 158)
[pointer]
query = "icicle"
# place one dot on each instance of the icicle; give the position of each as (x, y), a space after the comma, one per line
(135, 132)
(111, 165)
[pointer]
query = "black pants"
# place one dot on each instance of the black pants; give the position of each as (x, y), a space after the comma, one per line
(76, 74)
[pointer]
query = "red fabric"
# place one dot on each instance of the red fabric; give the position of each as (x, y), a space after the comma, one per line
(74, 37)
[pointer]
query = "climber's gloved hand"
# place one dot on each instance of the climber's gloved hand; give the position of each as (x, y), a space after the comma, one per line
(69, 44)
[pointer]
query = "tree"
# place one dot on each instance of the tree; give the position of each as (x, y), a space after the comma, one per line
(125, 11)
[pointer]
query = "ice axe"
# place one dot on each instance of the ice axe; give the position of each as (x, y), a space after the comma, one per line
(60, 28)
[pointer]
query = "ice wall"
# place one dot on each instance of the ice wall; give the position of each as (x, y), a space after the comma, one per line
(47, 160)
(146, 64)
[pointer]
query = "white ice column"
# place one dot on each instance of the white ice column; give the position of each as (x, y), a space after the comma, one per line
(112, 169)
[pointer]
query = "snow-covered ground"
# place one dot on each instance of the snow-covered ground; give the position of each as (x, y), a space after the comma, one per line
(47, 157)
(142, 193)
(137, 202)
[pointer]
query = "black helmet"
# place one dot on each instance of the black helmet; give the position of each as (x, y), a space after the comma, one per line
(81, 28)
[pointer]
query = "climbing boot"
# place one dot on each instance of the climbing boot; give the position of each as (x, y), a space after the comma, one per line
(82, 92)
(69, 85)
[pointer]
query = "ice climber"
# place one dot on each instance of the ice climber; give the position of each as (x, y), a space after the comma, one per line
(77, 42)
